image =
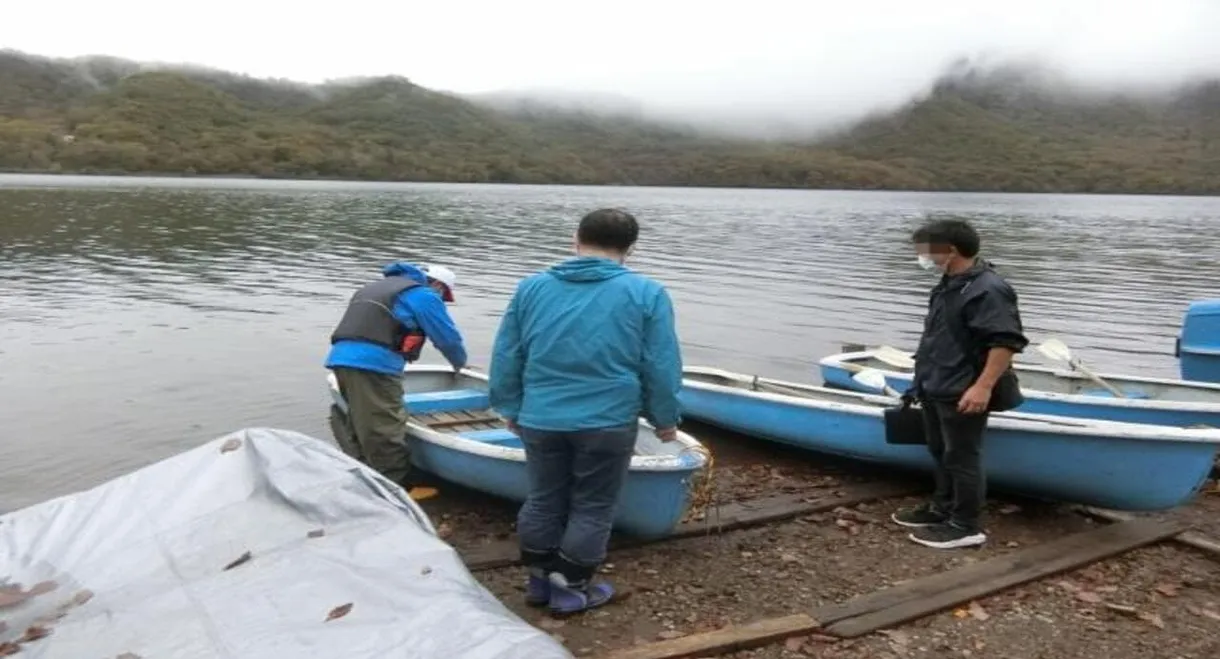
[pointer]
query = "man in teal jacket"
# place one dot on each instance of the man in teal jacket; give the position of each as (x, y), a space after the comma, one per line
(583, 350)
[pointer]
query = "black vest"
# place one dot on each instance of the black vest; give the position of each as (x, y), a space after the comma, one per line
(370, 318)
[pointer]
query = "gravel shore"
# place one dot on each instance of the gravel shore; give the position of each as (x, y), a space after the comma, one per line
(1160, 601)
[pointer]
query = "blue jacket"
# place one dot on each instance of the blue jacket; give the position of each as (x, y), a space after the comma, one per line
(587, 344)
(419, 308)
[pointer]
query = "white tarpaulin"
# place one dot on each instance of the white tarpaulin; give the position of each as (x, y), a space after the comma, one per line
(138, 565)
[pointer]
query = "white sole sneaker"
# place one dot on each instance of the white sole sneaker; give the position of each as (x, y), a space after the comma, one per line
(973, 540)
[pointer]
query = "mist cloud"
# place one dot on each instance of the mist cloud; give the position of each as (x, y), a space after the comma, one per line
(759, 65)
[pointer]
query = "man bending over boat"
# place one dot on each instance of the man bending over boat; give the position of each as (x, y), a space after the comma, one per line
(583, 350)
(385, 327)
(962, 373)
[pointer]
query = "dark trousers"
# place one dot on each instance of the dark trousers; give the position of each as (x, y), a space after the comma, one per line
(376, 421)
(574, 483)
(956, 443)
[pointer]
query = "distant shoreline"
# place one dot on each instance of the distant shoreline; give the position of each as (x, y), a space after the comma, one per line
(331, 179)
(1001, 131)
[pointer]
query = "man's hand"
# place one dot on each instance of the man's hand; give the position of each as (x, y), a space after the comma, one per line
(666, 434)
(975, 400)
(512, 426)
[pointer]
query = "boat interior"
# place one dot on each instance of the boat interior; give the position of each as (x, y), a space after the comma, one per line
(460, 406)
(1035, 377)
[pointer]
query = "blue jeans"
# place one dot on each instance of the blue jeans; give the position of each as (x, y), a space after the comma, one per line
(574, 484)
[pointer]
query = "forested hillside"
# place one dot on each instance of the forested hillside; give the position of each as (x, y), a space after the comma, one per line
(970, 132)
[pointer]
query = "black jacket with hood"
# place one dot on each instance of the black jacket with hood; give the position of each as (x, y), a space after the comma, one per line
(968, 314)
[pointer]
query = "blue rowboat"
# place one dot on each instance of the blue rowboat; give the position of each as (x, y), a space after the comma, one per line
(1067, 393)
(456, 435)
(1198, 346)
(1087, 461)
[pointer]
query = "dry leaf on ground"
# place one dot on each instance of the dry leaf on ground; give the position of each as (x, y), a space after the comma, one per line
(978, 611)
(1088, 597)
(1153, 619)
(1168, 589)
(1204, 613)
(33, 633)
(339, 611)
(240, 559)
(897, 636)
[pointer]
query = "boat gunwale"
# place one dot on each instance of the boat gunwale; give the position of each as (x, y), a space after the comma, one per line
(874, 405)
(690, 458)
(1042, 394)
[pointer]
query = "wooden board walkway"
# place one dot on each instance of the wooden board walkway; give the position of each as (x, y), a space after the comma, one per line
(921, 597)
(1197, 541)
(737, 515)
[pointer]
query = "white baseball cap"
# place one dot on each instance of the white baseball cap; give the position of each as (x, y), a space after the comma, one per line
(443, 275)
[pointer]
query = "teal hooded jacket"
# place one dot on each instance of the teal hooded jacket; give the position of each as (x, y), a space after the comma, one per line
(587, 344)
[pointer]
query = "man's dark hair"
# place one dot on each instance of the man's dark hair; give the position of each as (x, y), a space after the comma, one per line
(608, 228)
(957, 233)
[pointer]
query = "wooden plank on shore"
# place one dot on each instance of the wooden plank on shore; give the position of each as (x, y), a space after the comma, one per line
(732, 516)
(928, 595)
(918, 598)
(722, 641)
(1188, 538)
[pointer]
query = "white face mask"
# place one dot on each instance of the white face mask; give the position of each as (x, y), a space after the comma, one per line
(926, 262)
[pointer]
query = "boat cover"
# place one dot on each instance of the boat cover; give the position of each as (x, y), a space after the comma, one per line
(264, 544)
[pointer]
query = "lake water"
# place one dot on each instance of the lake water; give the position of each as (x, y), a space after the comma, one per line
(141, 317)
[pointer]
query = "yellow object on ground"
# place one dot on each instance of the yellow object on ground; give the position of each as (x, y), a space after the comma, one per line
(422, 493)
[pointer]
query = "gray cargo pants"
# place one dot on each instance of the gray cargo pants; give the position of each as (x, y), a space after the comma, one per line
(376, 422)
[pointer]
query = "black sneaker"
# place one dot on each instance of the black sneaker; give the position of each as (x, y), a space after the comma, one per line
(919, 517)
(948, 536)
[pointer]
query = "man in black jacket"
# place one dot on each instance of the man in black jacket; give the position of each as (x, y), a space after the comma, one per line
(962, 373)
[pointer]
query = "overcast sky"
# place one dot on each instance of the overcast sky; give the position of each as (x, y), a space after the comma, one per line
(784, 57)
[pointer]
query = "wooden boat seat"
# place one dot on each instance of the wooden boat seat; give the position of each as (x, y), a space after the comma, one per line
(498, 436)
(454, 400)
(1106, 393)
(503, 437)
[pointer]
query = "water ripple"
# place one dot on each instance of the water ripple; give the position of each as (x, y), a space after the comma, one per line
(161, 313)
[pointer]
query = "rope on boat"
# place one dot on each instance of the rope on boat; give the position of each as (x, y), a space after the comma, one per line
(702, 487)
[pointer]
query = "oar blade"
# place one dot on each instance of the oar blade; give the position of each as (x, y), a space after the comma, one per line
(1055, 350)
(893, 357)
(871, 378)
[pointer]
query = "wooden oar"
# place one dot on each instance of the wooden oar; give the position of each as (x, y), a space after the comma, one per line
(1057, 350)
(893, 357)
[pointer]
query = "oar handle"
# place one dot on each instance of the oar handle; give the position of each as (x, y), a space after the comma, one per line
(1088, 372)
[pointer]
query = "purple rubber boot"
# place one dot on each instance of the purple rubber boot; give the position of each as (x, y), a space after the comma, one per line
(538, 589)
(567, 598)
